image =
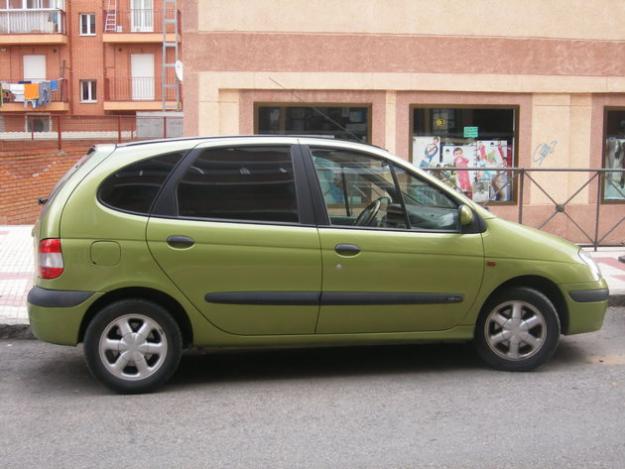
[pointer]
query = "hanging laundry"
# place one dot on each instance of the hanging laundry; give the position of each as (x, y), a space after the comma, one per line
(54, 85)
(31, 91)
(44, 94)
(18, 92)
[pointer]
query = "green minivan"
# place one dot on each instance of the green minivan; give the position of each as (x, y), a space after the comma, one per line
(146, 249)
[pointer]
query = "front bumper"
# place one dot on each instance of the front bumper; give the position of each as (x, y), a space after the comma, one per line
(587, 304)
(56, 315)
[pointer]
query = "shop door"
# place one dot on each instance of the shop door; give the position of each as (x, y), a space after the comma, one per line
(379, 273)
(142, 16)
(34, 68)
(142, 69)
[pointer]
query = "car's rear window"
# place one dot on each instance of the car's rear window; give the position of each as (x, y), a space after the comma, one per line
(135, 187)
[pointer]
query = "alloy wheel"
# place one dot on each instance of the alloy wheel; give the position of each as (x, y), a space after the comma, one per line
(133, 347)
(515, 330)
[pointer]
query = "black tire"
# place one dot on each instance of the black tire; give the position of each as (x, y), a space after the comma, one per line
(163, 336)
(501, 355)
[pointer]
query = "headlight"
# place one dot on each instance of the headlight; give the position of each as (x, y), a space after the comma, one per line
(594, 269)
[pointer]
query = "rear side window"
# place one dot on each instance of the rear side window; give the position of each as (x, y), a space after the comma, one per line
(240, 183)
(134, 187)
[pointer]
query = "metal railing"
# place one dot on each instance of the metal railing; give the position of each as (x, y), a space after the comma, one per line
(137, 21)
(60, 95)
(135, 89)
(23, 132)
(32, 21)
(593, 209)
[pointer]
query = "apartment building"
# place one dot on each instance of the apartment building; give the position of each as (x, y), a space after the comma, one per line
(87, 58)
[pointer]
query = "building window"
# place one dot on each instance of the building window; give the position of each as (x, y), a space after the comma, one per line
(38, 123)
(88, 91)
(340, 121)
(614, 155)
(454, 143)
(87, 24)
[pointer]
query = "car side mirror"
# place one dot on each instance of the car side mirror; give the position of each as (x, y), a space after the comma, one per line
(465, 214)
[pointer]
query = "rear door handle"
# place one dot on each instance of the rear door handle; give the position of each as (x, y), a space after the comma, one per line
(178, 241)
(345, 249)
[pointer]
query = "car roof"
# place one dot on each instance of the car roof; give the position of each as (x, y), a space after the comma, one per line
(291, 139)
(318, 140)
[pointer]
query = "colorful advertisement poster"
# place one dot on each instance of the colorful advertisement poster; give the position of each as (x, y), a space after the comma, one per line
(614, 185)
(460, 157)
(491, 184)
(426, 152)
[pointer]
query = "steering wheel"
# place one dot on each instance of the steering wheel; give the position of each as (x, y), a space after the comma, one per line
(370, 212)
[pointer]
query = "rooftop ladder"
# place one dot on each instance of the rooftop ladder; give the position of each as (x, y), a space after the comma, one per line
(110, 22)
(169, 81)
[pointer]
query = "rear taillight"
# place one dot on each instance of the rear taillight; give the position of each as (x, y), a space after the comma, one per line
(50, 258)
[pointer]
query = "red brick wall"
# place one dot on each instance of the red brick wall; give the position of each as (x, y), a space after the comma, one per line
(28, 176)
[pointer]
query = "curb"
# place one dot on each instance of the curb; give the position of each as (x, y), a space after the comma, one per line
(22, 331)
(16, 331)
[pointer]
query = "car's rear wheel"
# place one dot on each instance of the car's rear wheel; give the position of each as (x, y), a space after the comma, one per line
(518, 330)
(133, 346)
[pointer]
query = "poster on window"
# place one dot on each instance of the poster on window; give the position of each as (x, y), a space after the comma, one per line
(426, 152)
(492, 184)
(460, 158)
(614, 185)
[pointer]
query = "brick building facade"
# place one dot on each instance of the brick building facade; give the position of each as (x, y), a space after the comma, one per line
(105, 57)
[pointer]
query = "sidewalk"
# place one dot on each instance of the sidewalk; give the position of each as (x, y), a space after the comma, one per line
(17, 264)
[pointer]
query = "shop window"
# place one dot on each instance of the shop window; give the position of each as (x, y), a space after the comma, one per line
(454, 143)
(614, 156)
(87, 24)
(88, 91)
(343, 122)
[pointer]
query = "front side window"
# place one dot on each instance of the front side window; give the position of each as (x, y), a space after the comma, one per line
(344, 122)
(134, 187)
(468, 148)
(614, 156)
(361, 190)
(248, 183)
(428, 207)
(87, 24)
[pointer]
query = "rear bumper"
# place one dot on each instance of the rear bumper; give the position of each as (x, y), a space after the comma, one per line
(56, 315)
(56, 298)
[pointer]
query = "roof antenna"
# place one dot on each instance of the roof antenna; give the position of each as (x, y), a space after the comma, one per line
(322, 114)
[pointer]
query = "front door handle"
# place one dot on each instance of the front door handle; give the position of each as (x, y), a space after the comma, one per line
(345, 249)
(180, 242)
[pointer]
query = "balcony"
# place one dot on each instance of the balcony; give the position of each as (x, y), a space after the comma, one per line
(135, 94)
(32, 26)
(138, 26)
(13, 98)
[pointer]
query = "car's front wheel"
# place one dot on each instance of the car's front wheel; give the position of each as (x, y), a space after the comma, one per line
(518, 330)
(133, 346)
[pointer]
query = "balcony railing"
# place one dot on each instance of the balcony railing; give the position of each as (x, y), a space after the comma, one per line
(12, 92)
(138, 21)
(135, 89)
(40, 21)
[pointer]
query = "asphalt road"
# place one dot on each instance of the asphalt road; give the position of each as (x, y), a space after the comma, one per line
(399, 406)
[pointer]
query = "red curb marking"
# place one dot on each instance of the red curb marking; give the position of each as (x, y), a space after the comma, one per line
(15, 275)
(611, 262)
(13, 301)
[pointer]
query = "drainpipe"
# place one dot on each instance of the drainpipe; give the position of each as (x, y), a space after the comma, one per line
(68, 30)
